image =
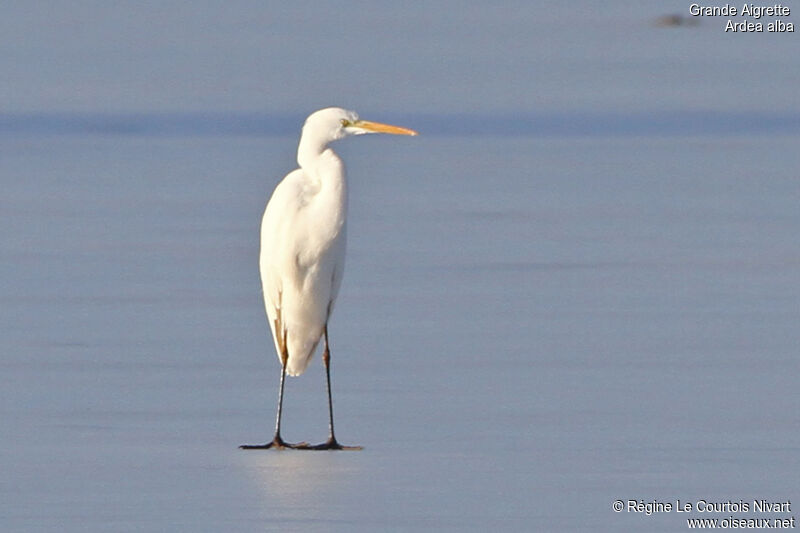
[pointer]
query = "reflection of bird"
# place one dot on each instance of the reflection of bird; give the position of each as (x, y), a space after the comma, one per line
(303, 247)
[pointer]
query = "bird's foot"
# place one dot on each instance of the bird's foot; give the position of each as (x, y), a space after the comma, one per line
(332, 444)
(277, 443)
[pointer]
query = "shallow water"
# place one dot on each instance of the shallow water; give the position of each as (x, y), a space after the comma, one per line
(528, 329)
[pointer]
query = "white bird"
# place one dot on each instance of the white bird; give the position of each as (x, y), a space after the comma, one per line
(303, 236)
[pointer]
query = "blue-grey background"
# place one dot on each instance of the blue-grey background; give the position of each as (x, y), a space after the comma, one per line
(580, 283)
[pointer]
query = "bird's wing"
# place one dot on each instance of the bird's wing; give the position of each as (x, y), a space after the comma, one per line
(297, 270)
(277, 261)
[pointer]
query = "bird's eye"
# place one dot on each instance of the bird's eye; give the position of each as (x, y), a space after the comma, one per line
(345, 122)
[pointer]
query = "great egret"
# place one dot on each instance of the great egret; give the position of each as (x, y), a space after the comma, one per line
(302, 251)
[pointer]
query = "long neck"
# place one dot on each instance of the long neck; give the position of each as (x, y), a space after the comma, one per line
(321, 164)
(310, 148)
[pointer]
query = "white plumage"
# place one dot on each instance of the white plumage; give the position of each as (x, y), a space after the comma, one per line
(303, 235)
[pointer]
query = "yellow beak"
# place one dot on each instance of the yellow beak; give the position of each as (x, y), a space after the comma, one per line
(383, 128)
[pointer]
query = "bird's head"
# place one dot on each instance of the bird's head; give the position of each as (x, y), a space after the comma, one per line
(334, 123)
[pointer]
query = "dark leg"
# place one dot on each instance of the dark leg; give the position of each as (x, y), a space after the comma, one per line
(277, 441)
(331, 444)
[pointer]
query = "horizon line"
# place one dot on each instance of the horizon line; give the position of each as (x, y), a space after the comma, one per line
(524, 124)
